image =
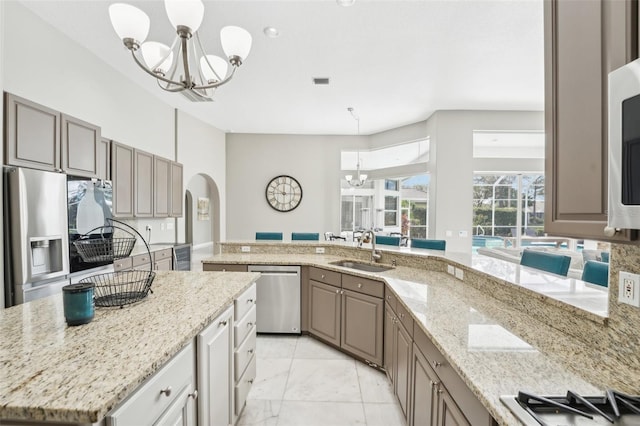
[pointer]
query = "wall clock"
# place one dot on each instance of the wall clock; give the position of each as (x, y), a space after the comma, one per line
(283, 193)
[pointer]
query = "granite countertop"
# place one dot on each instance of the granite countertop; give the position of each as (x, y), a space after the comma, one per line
(495, 347)
(53, 372)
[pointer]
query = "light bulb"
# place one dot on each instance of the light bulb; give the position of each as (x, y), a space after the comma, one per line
(129, 22)
(154, 53)
(188, 13)
(219, 66)
(235, 41)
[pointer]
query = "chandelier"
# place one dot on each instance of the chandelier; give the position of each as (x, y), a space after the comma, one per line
(184, 66)
(360, 178)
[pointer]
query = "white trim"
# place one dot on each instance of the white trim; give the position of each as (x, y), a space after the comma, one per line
(203, 245)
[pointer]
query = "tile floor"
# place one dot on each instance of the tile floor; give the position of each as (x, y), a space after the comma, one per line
(303, 382)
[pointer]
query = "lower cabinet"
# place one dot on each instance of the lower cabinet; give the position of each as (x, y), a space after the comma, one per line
(399, 344)
(244, 357)
(347, 311)
(168, 397)
(215, 371)
(220, 267)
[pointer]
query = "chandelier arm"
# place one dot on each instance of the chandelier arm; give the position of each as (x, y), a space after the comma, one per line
(168, 89)
(218, 83)
(204, 55)
(185, 63)
(151, 73)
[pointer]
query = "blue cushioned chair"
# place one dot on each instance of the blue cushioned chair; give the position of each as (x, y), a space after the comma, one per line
(605, 256)
(277, 236)
(388, 241)
(549, 262)
(305, 236)
(596, 273)
(428, 244)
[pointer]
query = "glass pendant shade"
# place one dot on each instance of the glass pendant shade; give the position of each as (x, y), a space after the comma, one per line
(185, 12)
(154, 53)
(235, 41)
(348, 177)
(363, 177)
(129, 21)
(219, 66)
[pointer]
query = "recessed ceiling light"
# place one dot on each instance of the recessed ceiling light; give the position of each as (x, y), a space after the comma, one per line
(345, 3)
(321, 81)
(271, 32)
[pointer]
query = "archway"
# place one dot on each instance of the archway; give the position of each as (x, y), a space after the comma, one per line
(202, 212)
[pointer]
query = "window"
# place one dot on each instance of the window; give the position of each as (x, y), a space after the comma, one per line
(391, 185)
(390, 210)
(356, 212)
(414, 220)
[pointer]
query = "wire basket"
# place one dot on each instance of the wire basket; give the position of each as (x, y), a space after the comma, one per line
(104, 249)
(120, 288)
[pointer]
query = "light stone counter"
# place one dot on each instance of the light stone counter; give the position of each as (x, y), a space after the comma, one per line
(497, 347)
(52, 372)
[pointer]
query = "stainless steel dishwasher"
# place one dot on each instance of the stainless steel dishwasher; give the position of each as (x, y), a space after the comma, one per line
(277, 298)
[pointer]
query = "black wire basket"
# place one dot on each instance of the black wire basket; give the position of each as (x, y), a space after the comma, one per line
(120, 288)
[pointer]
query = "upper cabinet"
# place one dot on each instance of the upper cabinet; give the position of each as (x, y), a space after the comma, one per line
(143, 184)
(584, 41)
(45, 139)
(162, 186)
(177, 195)
(122, 176)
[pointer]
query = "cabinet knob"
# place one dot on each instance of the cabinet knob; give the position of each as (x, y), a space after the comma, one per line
(250, 351)
(224, 270)
(341, 291)
(249, 300)
(436, 364)
(250, 380)
(610, 231)
(166, 391)
(337, 291)
(249, 324)
(389, 297)
(222, 323)
(433, 383)
(401, 315)
(359, 285)
(194, 395)
(322, 276)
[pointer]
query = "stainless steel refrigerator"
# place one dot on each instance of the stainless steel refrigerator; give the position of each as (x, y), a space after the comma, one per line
(36, 243)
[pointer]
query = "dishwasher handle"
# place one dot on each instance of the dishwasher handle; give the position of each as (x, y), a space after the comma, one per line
(278, 272)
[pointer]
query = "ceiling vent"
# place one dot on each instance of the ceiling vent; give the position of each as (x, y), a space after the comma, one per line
(321, 81)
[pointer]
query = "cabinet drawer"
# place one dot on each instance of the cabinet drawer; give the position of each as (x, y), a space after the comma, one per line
(324, 276)
(243, 326)
(405, 318)
(162, 254)
(141, 260)
(390, 298)
(244, 385)
(428, 349)
(244, 353)
(363, 285)
(245, 302)
(148, 401)
(122, 264)
(224, 267)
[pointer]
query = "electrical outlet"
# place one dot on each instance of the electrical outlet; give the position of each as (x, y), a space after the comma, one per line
(463, 234)
(162, 226)
(148, 228)
(629, 289)
(451, 270)
(245, 249)
(459, 274)
(449, 233)
(319, 250)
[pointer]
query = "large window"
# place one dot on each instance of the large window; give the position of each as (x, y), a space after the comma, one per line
(356, 212)
(498, 200)
(414, 220)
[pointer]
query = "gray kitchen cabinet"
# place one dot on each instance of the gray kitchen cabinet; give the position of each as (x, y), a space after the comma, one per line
(80, 143)
(104, 159)
(162, 186)
(176, 200)
(402, 353)
(163, 265)
(324, 311)
(347, 311)
(244, 357)
(389, 325)
(143, 183)
(32, 134)
(424, 396)
(122, 176)
(448, 412)
(221, 267)
(584, 41)
(215, 371)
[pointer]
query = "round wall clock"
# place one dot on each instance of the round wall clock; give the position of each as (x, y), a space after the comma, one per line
(283, 193)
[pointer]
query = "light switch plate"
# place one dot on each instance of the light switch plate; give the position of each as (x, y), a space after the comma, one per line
(245, 249)
(451, 270)
(629, 289)
(319, 250)
(459, 274)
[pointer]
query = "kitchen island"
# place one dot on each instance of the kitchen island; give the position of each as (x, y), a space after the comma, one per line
(55, 373)
(495, 334)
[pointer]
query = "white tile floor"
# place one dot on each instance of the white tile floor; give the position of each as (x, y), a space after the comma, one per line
(303, 382)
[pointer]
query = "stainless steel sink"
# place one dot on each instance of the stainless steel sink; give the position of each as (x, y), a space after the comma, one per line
(361, 266)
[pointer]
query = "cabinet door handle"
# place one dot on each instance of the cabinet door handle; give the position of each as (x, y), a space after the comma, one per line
(249, 300)
(224, 270)
(401, 316)
(250, 380)
(249, 324)
(337, 291)
(166, 391)
(389, 297)
(194, 395)
(222, 323)
(322, 276)
(359, 285)
(250, 351)
(341, 291)
(436, 364)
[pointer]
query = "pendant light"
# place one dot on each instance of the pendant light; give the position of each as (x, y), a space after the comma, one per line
(361, 178)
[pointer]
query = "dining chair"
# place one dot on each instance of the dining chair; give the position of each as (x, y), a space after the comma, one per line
(549, 262)
(388, 241)
(276, 236)
(428, 244)
(596, 272)
(305, 236)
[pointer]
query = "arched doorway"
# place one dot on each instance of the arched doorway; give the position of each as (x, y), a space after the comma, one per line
(202, 212)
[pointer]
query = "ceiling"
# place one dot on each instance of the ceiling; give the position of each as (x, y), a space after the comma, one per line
(394, 62)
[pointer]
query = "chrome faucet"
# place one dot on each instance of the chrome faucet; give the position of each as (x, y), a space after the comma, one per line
(375, 254)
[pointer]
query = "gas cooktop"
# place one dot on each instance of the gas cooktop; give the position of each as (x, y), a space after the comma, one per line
(614, 408)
